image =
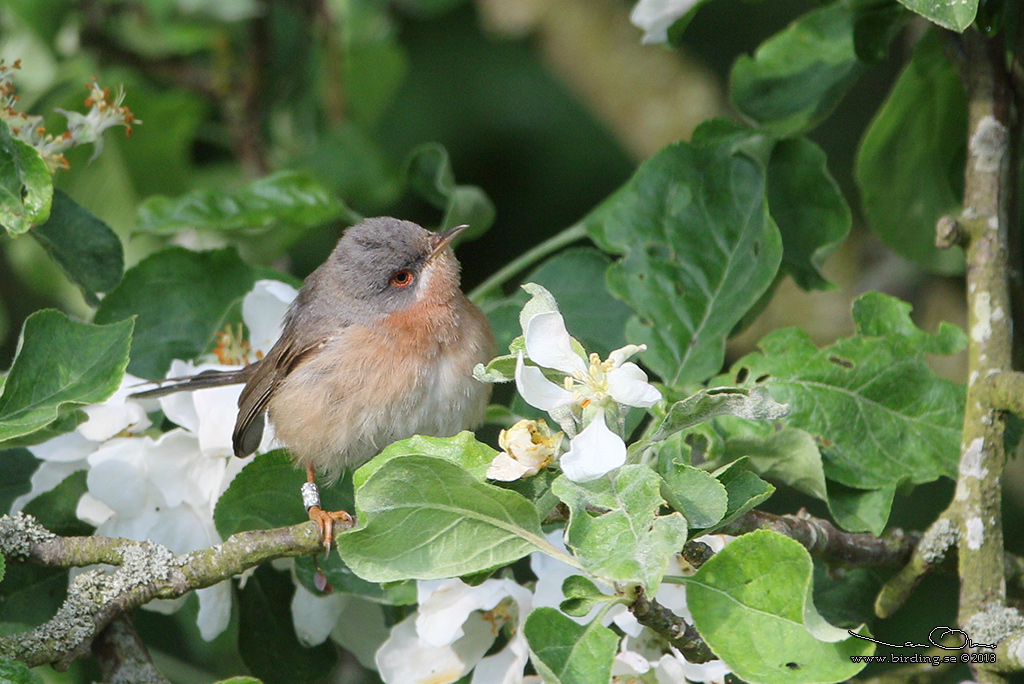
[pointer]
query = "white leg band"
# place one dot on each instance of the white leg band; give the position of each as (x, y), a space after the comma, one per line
(310, 495)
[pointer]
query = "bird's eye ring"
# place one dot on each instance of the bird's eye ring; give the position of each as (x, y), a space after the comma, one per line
(400, 278)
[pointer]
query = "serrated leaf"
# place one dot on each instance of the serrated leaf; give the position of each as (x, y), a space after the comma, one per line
(287, 197)
(463, 450)
(808, 207)
(265, 494)
(60, 363)
(697, 494)
(798, 76)
(84, 247)
(878, 413)
(26, 188)
(565, 652)
(614, 527)
(955, 16)
(699, 250)
(909, 166)
(179, 298)
(751, 403)
(758, 589)
(266, 635)
(789, 456)
(426, 518)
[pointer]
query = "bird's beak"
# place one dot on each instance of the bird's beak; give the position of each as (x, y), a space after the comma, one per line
(444, 238)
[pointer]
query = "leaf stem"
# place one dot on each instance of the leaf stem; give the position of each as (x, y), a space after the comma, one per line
(527, 259)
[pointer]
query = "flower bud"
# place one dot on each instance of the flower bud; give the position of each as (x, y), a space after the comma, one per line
(529, 445)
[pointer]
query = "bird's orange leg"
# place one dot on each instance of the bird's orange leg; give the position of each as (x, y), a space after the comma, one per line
(324, 519)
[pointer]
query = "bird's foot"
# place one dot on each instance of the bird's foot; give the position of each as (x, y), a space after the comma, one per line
(325, 521)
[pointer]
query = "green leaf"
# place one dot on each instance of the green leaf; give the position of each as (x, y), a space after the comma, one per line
(240, 680)
(758, 589)
(13, 672)
(910, 163)
(697, 494)
(581, 596)
(743, 488)
(60, 363)
(84, 247)
(26, 188)
(798, 76)
(699, 250)
(877, 412)
(463, 450)
(266, 634)
(754, 404)
(808, 207)
(789, 456)
(614, 527)
(287, 197)
(860, 510)
(955, 16)
(17, 465)
(179, 298)
(428, 172)
(426, 518)
(565, 652)
(265, 494)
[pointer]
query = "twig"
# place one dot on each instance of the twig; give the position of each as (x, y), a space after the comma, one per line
(825, 541)
(144, 571)
(678, 632)
(123, 657)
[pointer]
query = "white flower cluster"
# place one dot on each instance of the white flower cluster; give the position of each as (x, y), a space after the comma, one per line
(82, 128)
(144, 484)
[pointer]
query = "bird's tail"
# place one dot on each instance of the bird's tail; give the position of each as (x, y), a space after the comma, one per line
(208, 378)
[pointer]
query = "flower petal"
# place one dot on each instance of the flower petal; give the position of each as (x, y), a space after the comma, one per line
(263, 311)
(537, 390)
(594, 452)
(48, 475)
(656, 16)
(406, 659)
(548, 344)
(628, 385)
(446, 609)
(315, 616)
(504, 468)
(214, 610)
(117, 413)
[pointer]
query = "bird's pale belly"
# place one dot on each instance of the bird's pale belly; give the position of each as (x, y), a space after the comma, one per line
(436, 396)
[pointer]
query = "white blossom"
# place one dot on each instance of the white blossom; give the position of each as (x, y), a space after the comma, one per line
(592, 393)
(656, 16)
(452, 630)
(528, 446)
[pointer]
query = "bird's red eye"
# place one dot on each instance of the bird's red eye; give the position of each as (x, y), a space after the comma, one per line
(400, 278)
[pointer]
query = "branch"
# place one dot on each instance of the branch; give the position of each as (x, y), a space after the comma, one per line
(825, 541)
(677, 631)
(976, 509)
(145, 571)
(122, 655)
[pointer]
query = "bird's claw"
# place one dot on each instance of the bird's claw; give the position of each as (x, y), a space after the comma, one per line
(325, 521)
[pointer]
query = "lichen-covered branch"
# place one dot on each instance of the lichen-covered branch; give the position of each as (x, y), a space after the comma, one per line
(143, 571)
(977, 504)
(929, 553)
(1005, 391)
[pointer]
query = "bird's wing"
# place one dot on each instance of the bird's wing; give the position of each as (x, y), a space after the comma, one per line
(285, 356)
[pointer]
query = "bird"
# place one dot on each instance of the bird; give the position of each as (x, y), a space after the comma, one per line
(379, 345)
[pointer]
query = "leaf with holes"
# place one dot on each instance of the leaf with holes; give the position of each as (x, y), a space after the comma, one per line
(758, 590)
(699, 249)
(879, 415)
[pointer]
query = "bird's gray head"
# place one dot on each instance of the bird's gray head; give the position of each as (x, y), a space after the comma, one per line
(386, 264)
